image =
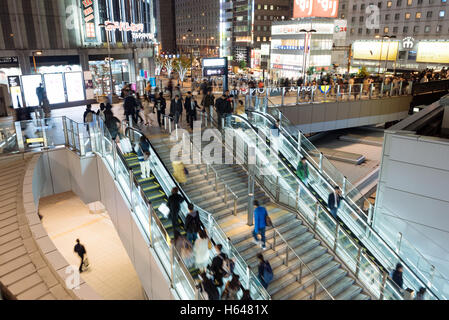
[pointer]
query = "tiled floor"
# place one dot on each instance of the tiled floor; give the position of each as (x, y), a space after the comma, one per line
(111, 273)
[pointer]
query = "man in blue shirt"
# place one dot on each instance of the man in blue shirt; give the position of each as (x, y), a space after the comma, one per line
(260, 214)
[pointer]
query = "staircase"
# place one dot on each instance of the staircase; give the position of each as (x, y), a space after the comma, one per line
(201, 188)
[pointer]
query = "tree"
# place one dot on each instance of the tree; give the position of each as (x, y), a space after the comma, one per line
(242, 64)
(159, 63)
(181, 65)
(169, 65)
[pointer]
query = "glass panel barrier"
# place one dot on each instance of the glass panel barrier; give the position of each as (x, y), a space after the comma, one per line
(8, 139)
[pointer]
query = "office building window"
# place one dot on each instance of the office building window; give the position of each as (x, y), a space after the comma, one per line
(429, 14)
(430, 1)
(409, 2)
(396, 16)
(379, 5)
(399, 3)
(376, 31)
(352, 31)
(265, 7)
(343, 6)
(353, 19)
(264, 38)
(368, 31)
(395, 29)
(439, 27)
(354, 7)
(387, 17)
(419, 1)
(407, 16)
(386, 29)
(405, 29)
(442, 13)
(271, 7)
(427, 29)
(361, 19)
(362, 6)
(359, 31)
(259, 7)
(258, 39)
(416, 29)
(342, 16)
(418, 15)
(389, 4)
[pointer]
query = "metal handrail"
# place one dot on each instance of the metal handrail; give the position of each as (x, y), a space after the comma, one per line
(310, 194)
(301, 261)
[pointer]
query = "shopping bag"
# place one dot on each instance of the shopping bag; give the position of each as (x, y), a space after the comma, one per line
(125, 145)
(164, 210)
(86, 262)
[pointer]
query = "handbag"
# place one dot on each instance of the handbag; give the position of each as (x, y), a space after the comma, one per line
(268, 221)
(164, 210)
(86, 262)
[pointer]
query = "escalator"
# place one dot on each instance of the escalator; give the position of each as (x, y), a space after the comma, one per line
(153, 189)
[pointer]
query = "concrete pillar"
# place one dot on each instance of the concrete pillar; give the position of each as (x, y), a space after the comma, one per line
(24, 62)
(84, 59)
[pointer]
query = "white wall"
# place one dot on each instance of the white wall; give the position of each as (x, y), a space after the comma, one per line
(413, 194)
(62, 170)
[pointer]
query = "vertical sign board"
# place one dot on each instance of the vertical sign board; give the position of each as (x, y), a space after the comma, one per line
(15, 91)
(315, 8)
(87, 7)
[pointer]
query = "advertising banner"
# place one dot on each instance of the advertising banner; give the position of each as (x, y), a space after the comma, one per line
(433, 52)
(315, 8)
(30, 84)
(54, 87)
(15, 91)
(375, 50)
(75, 86)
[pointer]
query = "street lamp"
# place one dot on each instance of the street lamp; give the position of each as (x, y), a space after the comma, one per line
(385, 36)
(111, 94)
(308, 35)
(36, 53)
(388, 49)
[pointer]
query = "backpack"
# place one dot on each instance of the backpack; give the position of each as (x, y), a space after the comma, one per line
(267, 273)
(89, 117)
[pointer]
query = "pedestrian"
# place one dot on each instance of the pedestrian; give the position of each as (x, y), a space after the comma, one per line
(112, 124)
(231, 289)
(246, 295)
(265, 272)
(191, 111)
(100, 111)
(81, 251)
(176, 108)
(220, 109)
(409, 294)
(143, 155)
(184, 248)
(420, 294)
(174, 204)
(179, 172)
(147, 110)
(40, 92)
(193, 224)
(334, 200)
(160, 105)
(217, 265)
(139, 107)
(302, 171)
(187, 105)
(88, 115)
(397, 275)
(201, 250)
(129, 105)
(208, 101)
(260, 217)
(207, 287)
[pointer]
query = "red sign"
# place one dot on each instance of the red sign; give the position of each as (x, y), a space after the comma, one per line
(315, 8)
(89, 17)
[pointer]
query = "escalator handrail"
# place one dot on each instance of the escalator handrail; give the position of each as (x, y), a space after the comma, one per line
(370, 228)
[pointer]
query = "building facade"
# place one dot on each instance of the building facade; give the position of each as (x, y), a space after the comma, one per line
(417, 32)
(39, 37)
(197, 27)
(166, 25)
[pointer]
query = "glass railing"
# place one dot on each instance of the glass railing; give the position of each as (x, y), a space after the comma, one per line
(275, 177)
(294, 95)
(356, 210)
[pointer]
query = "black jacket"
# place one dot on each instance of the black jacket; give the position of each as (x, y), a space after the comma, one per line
(176, 106)
(210, 289)
(174, 203)
(193, 222)
(190, 110)
(130, 104)
(331, 201)
(162, 103)
(187, 102)
(220, 105)
(79, 248)
(397, 278)
(208, 101)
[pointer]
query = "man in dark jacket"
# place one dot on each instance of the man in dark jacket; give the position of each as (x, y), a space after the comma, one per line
(208, 286)
(334, 200)
(160, 105)
(176, 108)
(397, 275)
(191, 111)
(187, 105)
(217, 265)
(81, 251)
(130, 104)
(174, 204)
(220, 105)
(193, 224)
(208, 101)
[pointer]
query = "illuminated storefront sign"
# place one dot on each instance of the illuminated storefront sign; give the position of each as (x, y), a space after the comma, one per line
(433, 52)
(123, 26)
(89, 19)
(315, 8)
(142, 36)
(408, 43)
(295, 28)
(255, 58)
(214, 66)
(375, 50)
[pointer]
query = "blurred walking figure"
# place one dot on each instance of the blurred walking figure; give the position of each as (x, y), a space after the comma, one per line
(207, 287)
(260, 218)
(193, 224)
(334, 200)
(397, 275)
(231, 289)
(184, 248)
(174, 203)
(265, 272)
(179, 171)
(143, 155)
(81, 251)
(302, 171)
(201, 251)
(421, 293)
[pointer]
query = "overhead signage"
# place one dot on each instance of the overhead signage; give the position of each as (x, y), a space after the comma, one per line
(408, 43)
(14, 81)
(142, 36)
(215, 66)
(89, 19)
(8, 60)
(315, 8)
(433, 52)
(375, 50)
(214, 62)
(297, 26)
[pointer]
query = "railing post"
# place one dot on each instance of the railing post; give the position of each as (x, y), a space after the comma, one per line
(337, 228)
(248, 272)
(297, 196)
(114, 156)
(81, 138)
(250, 200)
(131, 182)
(344, 187)
(297, 94)
(66, 134)
(222, 122)
(274, 239)
(315, 221)
(216, 182)
(382, 89)
(283, 93)
(225, 194)
(359, 255)
(382, 286)
(371, 88)
(235, 206)
(321, 162)
(73, 135)
(312, 94)
(300, 272)
(398, 246)
(400, 88)
(19, 136)
(150, 218)
(432, 273)
(172, 262)
(361, 91)
(370, 214)
(314, 290)
(176, 130)
(349, 92)
(299, 141)
(338, 92)
(278, 190)
(286, 256)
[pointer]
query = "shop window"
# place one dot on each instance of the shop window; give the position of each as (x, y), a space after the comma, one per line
(402, 54)
(411, 55)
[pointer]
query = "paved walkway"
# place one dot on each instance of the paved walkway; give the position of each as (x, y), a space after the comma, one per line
(111, 273)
